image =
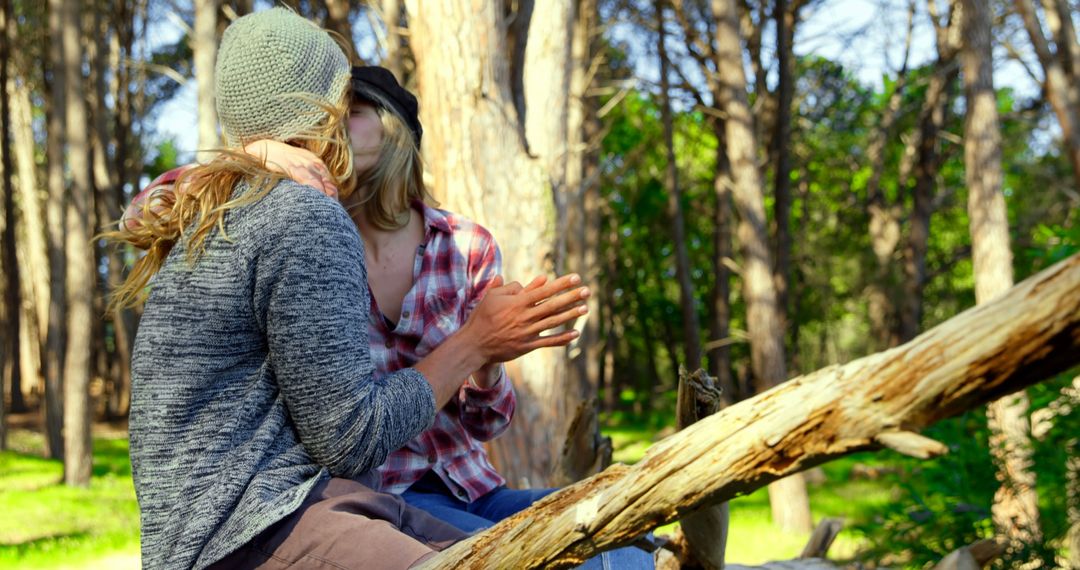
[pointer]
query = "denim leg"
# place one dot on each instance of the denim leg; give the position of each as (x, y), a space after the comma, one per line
(500, 503)
(448, 509)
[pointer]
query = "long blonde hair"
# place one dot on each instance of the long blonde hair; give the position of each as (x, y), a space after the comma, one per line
(194, 213)
(396, 180)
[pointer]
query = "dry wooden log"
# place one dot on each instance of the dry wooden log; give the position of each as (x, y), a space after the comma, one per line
(990, 350)
(822, 538)
(705, 531)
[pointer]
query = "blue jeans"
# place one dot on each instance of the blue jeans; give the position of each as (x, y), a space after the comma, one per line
(501, 503)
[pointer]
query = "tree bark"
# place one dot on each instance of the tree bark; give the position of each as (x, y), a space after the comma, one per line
(35, 252)
(1016, 506)
(1061, 89)
(204, 47)
(395, 50)
(80, 257)
(877, 401)
(720, 307)
(884, 224)
(788, 498)
(57, 200)
(928, 161)
(337, 19)
(12, 309)
(785, 16)
(691, 328)
(481, 168)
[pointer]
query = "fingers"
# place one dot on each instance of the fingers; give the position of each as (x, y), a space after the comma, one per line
(536, 283)
(548, 289)
(559, 303)
(560, 339)
(567, 316)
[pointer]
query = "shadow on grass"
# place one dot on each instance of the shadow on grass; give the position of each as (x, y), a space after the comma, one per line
(41, 543)
(111, 458)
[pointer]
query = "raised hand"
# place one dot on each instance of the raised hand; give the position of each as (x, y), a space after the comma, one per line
(510, 319)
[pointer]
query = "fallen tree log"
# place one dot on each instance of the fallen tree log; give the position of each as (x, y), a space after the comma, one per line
(1025, 336)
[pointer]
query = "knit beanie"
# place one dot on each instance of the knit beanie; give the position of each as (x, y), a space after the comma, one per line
(270, 64)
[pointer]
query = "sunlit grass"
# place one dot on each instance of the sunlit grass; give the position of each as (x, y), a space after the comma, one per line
(52, 525)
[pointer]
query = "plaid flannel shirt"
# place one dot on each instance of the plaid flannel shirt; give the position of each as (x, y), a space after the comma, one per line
(452, 269)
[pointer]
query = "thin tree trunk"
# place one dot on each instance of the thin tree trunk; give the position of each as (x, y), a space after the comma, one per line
(204, 47)
(54, 350)
(12, 309)
(873, 402)
(884, 224)
(337, 18)
(80, 274)
(691, 328)
(785, 16)
(35, 250)
(1016, 505)
(395, 49)
(1061, 90)
(927, 165)
(720, 308)
(788, 497)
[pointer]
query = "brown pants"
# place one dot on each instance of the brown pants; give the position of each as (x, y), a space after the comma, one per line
(345, 525)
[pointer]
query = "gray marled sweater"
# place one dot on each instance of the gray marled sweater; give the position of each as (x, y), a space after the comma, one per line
(252, 380)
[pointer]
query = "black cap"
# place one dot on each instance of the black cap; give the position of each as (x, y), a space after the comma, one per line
(377, 85)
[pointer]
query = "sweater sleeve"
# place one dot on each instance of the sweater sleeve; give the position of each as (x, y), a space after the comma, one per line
(311, 292)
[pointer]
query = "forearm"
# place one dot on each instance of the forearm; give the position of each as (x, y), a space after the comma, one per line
(449, 364)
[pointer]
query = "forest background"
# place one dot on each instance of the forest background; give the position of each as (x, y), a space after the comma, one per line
(759, 188)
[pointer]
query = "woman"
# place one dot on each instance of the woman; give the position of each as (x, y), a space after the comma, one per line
(255, 408)
(433, 267)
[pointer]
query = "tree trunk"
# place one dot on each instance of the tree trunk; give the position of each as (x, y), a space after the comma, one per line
(790, 503)
(391, 13)
(877, 401)
(204, 47)
(12, 309)
(80, 269)
(691, 328)
(57, 201)
(481, 169)
(720, 308)
(1016, 505)
(1061, 89)
(337, 19)
(583, 226)
(35, 253)
(884, 224)
(928, 162)
(785, 16)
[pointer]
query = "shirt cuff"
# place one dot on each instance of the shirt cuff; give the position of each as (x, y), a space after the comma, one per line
(477, 397)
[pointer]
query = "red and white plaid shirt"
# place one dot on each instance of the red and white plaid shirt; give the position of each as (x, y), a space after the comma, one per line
(451, 271)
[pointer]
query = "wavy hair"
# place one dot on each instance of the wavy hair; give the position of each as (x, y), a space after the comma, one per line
(195, 213)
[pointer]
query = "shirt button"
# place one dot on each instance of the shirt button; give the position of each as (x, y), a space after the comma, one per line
(389, 343)
(405, 314)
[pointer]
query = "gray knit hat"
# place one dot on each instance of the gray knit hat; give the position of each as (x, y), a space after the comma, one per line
(265, 60)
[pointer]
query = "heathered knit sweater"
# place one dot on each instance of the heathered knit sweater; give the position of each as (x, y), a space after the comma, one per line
(252, 380)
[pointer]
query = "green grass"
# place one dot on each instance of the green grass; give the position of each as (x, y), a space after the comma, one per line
(56, 526)
(752, 538)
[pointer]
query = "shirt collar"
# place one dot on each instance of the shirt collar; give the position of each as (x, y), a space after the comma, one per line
(434, 219)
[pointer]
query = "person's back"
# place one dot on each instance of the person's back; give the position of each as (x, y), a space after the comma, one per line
(215, 456)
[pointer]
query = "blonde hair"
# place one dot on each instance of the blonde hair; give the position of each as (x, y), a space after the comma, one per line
(396, 180)
(194, 213)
